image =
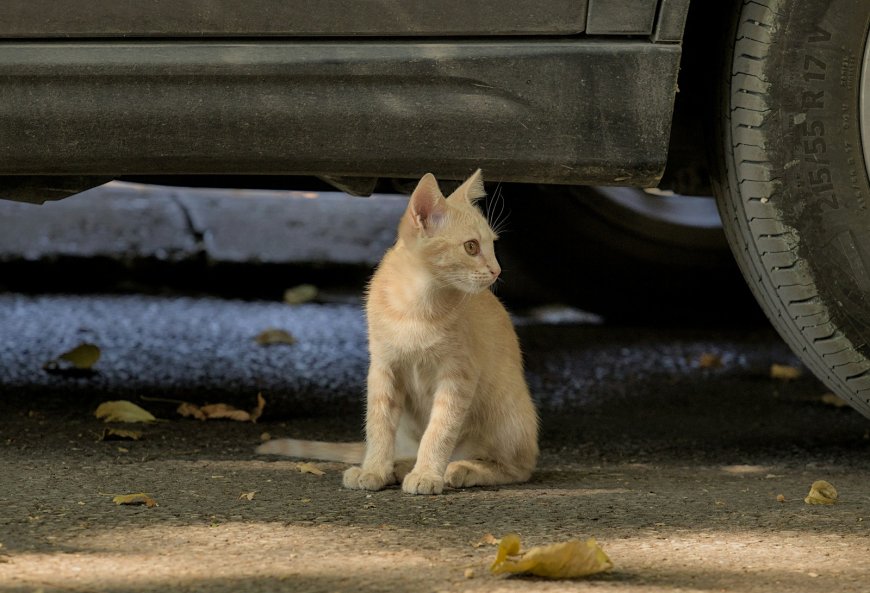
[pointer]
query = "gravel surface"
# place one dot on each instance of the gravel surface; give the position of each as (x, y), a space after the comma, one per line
(674, 468)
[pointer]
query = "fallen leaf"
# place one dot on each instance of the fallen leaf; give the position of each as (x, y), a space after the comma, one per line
(247, 495)
(118, 434)
(123, 411)
(784, 372)
(218, 411)
(300, 294)
(565, 560)
(77, 362)
(832, 400)
(186, 409)
(310, 468)
(488, 539)
(215, 411)
(709, 360)
(258, 411)
(822, 492)
(139, 498)
(272, 336)
(780, 498)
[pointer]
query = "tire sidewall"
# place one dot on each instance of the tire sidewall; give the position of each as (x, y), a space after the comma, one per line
(816, 151)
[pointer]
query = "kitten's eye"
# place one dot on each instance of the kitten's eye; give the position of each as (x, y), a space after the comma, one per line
(472, 247)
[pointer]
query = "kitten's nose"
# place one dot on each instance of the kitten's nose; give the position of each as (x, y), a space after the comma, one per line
(494, 270)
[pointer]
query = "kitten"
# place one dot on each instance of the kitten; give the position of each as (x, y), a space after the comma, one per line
(447, 400)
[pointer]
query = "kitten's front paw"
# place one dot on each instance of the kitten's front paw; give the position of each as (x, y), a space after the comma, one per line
(423, 483)
(357, 478)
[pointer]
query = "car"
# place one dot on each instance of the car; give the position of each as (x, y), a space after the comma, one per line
(765, 104)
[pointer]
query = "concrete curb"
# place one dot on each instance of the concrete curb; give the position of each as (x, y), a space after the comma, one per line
(129, 222)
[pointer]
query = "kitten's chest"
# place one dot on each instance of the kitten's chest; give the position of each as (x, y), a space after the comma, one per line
(405, 341)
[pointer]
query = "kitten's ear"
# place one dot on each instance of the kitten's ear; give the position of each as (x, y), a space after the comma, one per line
(427, 207)
(472, 189)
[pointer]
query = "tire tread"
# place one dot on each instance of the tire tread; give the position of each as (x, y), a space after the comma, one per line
(766, 249)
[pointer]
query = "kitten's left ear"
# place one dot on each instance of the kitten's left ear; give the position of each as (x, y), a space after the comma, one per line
(472, 189)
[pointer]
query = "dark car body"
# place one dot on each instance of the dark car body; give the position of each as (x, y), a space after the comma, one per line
(545, 91)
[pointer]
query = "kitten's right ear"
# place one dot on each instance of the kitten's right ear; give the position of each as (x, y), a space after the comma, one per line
(427, 207)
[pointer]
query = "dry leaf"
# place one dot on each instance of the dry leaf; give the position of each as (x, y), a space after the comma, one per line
(274, 336)
(822, 492)
(139, 498)
(310, 468)
(780, 498)
(488, 539)
(556, 561)
(218, 411)
(78, 361)
(225, 411)
(784, 372)
(123, 411)
(118, 434)
(247, 495)
(300, 294)
(188, 409)
(832, 400)
(710, 361)
(258, 411)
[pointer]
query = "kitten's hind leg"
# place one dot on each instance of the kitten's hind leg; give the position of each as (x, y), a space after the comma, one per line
(478, 472)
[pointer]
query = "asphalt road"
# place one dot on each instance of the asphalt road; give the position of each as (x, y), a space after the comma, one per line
(673, 466)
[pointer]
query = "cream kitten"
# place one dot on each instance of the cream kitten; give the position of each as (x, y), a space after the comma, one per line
(445, 383)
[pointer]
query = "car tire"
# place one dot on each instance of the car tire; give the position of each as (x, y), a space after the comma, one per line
(792, 178)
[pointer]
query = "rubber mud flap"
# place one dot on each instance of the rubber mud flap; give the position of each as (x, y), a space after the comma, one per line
(792, 186)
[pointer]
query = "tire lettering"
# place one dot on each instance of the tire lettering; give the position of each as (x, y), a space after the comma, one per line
(815, 146)
(814, 68)
(811, 100)
(820, 176)
(811, 132)
(830, 202)
(818, 34)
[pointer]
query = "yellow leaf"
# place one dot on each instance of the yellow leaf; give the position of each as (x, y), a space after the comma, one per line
(123, 411)
(300, 294)
(77, 361)
(832, 400)
(139, 498)
(822, 492)
(83, 356)
(247, 495)
(565, 560)
(784, 372)
(310, 468)
(274, 336)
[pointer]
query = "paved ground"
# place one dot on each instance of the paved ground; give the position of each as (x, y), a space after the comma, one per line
(674, 468)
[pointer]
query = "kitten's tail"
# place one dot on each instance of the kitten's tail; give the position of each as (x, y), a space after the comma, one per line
(346, 452)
